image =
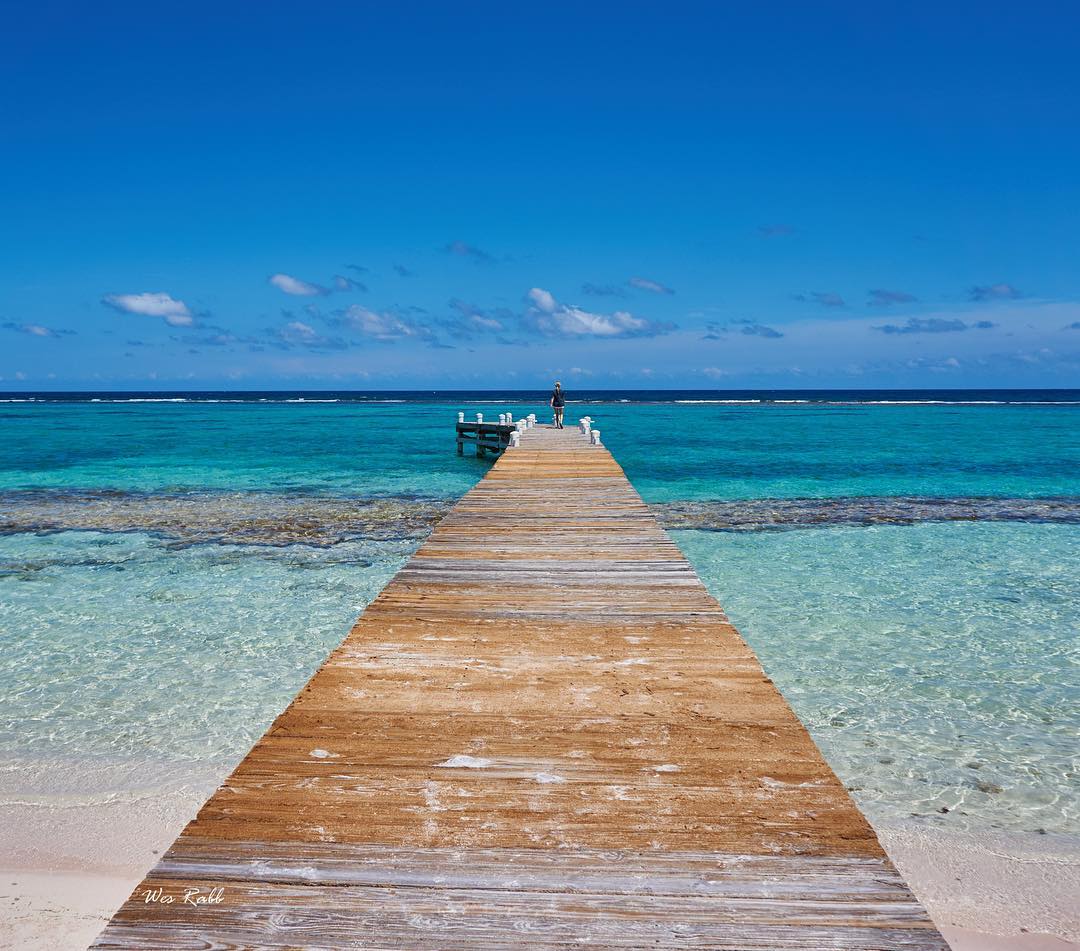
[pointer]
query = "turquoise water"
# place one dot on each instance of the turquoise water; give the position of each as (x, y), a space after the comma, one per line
(670, 451)
(170, 573)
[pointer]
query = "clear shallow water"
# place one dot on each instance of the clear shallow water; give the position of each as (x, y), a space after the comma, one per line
(116, 646)
(937, 666)
(243, 539)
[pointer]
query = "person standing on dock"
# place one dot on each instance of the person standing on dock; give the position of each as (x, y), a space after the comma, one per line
(558, 401)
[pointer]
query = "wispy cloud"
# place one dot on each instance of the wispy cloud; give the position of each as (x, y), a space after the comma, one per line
(556, 319)
(760, 330)
(824, 298)
(602, 290)
(385, 325)
(461, 249)
(218, 337)
(342, 283)
(990, 292)
(298, 334)
(296, 287)
(933, 325)
(174, 312)
(654, 287)
(469, 320)
(401, 271)
(880, 297)
(775, 231)
(36, 330)
(716, 331)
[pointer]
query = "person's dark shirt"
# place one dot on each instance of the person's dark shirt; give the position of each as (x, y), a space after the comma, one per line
(558, 398)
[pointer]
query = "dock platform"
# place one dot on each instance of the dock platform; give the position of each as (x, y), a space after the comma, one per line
(486, 437)
(543, 733)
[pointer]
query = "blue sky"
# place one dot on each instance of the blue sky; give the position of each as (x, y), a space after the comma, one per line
(490, 195)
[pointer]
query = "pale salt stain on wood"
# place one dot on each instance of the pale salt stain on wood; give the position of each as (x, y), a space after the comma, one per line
(543, 732)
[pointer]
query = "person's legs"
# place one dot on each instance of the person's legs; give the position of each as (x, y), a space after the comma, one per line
(558, 417)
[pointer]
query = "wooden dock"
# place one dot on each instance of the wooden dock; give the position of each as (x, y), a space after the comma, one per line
(543, 733)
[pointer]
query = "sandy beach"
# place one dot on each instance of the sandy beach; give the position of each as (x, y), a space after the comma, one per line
(69, 866)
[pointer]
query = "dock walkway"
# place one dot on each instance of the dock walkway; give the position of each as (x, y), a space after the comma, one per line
(543, 733)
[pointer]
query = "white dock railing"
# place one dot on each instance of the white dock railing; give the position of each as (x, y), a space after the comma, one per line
(507, 432)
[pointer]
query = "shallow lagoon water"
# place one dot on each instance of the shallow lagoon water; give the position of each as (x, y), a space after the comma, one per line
(933, 661)
(116, 645)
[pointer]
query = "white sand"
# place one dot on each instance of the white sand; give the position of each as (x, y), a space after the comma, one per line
(71, 858)
(993, 891)
(68, 867)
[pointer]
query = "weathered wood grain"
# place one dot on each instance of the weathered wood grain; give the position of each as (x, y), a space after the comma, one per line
(542, 733)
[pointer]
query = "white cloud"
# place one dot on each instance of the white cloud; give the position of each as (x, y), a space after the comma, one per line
(543, 299)
(295, 286)
(574, 321)
(299, 330)
(567, 320)
(174, 312)
(381, 326)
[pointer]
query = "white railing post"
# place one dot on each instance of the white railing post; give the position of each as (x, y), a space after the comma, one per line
(479, 417)
(596, 437)
(461, 417)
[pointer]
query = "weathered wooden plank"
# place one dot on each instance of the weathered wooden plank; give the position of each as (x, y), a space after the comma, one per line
(403, 917)
(544, 732)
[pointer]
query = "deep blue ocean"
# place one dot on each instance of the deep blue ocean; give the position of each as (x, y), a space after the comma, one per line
(905, 563)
